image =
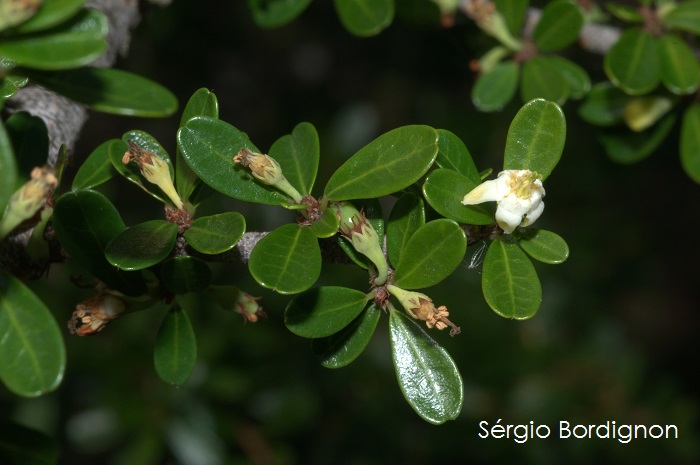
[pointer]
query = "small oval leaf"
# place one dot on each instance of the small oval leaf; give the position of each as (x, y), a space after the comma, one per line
(454, 155)
(175, 352)
(276, 13)
(690, 142)
(633, 63)
(544, 246)
(327, 225)
(407, 216)
(298, 155)
(605, 105)
(444, 190)
(536, 138)
(141, 246)
(365, 17)
(493, 90)
(680, 71)
(323, 311)
(509, 281)
(685, 16)
(432, 253)
(559, 26)
(386, 165)
(216, 233)
(427, 375)
(542, 78)
(8, 169)
(288, 260)
(96, 169)
(576, 77)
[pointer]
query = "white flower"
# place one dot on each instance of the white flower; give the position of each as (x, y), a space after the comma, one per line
(518, 194)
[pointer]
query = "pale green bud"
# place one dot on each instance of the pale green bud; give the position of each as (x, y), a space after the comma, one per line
(355, 227)
(267, 170)
(28, 199)
(155, 170)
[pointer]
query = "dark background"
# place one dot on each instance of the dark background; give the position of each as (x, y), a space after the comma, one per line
(614, 339)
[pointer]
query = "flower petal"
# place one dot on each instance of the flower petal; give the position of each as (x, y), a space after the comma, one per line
(485, 192)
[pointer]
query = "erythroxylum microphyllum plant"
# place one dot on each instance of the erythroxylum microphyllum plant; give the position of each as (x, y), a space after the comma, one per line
(429, 172)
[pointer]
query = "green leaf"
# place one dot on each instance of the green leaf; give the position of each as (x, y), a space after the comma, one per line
(427, 375)
(185, 274)
(298, 155)
(209, 146)
(288, 260)
(365, 18)
(605, 105)
(684, 17)
(444, 190)
(51, 13)
(342, 348)
(96, 169)
(544, 246)
(559, 26)
(69, 45)
(493, 90)
(513, 11)
(509, 281)
(625, 147)
(536, 138)
(175, 352)
(141, 246)
(276, 13)
(33, 356)
(432, 253)
(327, 225)
(454, 155)
(633, 62)
(216, 233)
(85, 221)
(130, 171)
(680, 72)
(389, 163)
(625, 12)
(30, 141)
(542, 78)
(406, 217)
(111, 91)
(9, 86)
(690, 142)
(323, 311)
(8, 169)
(202, 103)
(576, 77)
(20, 445)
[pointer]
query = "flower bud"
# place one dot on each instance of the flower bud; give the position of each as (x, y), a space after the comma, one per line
(155, 170)
(93, 314)
(28, 199)
(15, 12)
(355, 227)
(487, 17)
(233, 299)
(420, 307)
(267, 170)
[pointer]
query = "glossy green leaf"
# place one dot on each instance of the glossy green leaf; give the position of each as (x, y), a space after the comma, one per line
(493, 90)
(625, 147)
(8, 169)
(9, 86)
(432, 253)
(342, 348)
(51, 13)
(544, 246)
(30, 142)
(365, 18)
(389, 163)
(96, 169)
(323, 311)
(542, 78)
(509, 281)
(374, 214)
(680, 71)
(69, 45)
(276, 13)
(33, 356)
(575, 76)
(633, 62)
(202, 103)
(288, 260)
(216, 233)
(327, 225)
(427, 375)
(513, 11)
(407, 216)
(559, 26)
(111, 91)
(209, 146)
(175, 352)
(20, 445)
(298, 154)
(605, 105)
(625, 12)
(444, 190)
(454, 155)
(690, 142)
(684, 17)
(116, 151)
(85, 221)
(536, 138)
(185, 274)
(141, 246)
